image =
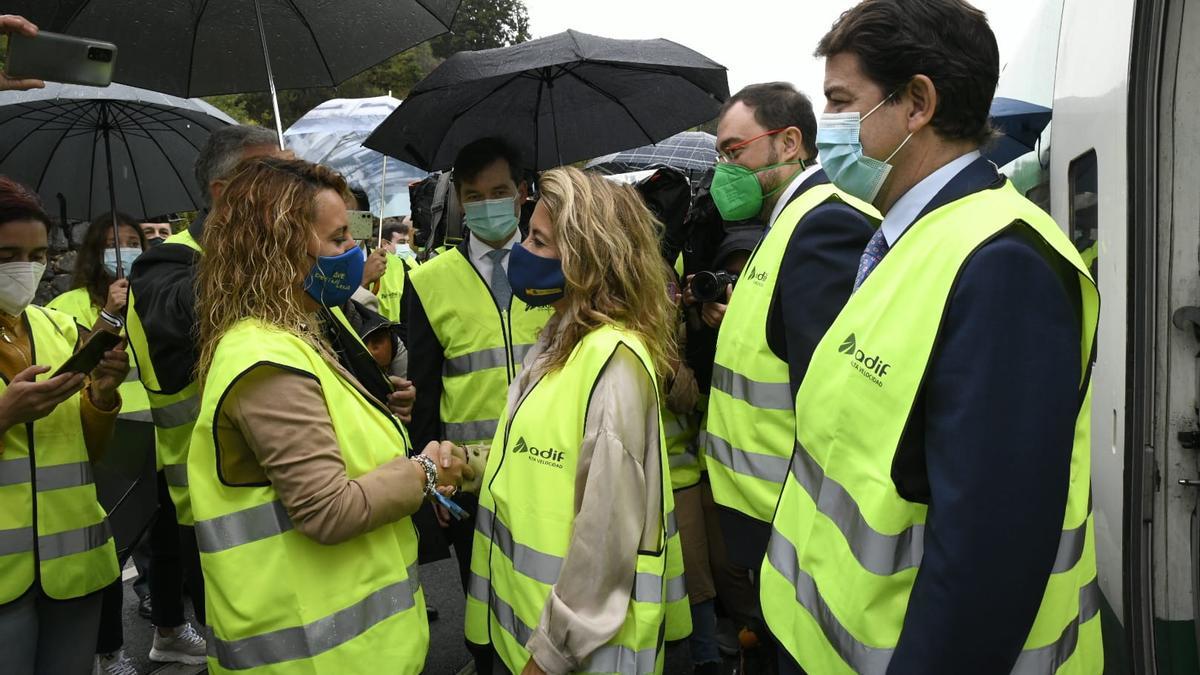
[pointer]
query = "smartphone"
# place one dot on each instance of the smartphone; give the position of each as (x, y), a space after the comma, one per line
(362, 225)
(61, 58)
(89, 356)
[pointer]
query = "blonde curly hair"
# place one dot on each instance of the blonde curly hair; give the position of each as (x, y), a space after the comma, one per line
(256, 251)
(608, 241)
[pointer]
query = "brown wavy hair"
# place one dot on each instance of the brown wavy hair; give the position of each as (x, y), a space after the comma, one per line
(256, 251)
(90, 272)
(608, 240)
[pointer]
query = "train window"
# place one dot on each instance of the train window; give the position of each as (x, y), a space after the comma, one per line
(1085, 222)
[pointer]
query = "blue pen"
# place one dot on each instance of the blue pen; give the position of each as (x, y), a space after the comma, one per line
(454, 509)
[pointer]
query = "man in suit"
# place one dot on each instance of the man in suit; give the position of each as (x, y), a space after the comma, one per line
(789, 291)
(936, 517)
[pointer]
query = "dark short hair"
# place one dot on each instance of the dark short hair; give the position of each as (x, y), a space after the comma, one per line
(479, 155)
(779, 105)
(390, 229)
(948, 41)
(18, 202)
(220, 154)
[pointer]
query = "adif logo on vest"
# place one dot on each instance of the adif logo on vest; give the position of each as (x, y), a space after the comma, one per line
(871, 367)
(753, 275)
(549, 457)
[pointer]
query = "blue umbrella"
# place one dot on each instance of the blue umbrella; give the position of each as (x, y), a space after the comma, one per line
(1020, 124)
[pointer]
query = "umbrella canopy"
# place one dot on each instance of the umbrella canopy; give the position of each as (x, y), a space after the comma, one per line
(58, 140)
(559, 99)
(693, 152)
(1021, 125)
(189, 48)
(332, 134)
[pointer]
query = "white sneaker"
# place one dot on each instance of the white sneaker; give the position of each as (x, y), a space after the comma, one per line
(115, 663)
(182, 645)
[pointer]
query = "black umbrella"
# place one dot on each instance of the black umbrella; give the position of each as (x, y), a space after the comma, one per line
(190, 48)
(559, 99)
(100, 148)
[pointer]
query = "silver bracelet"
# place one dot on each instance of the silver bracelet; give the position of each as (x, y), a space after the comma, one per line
(114, 321)
(430, 473)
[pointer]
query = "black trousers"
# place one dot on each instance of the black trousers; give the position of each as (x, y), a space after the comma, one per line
(174, 566)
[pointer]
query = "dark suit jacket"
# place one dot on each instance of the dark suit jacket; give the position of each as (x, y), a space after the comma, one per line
(814, 282)
(988, 448)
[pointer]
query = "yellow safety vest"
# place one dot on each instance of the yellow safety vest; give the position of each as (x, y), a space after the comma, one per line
(846, 548)
(52, 528)
(278, 601)
(681, 434)
(391, 286)
(751, 424)
(483, 345)
(135, 405)
(522, 534)
(174, 413)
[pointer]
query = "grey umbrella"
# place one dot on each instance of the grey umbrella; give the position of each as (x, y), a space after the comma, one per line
(559, 99)
(693, 152)
(202, 48)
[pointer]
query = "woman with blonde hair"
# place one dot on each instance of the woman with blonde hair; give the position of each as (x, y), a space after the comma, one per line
(576, 565)
(298, 471)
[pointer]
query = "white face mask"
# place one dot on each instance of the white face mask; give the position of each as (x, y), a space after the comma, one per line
(404, 251)
(18, 285)
(128, 255)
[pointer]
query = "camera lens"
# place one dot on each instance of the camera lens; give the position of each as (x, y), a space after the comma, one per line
(100, 54)
(706, 287)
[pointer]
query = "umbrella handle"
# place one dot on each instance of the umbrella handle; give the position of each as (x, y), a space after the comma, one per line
(262, 38)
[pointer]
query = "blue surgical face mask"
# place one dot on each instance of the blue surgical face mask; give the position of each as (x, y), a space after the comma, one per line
(128, 255)
(405, 251)
(537, 281)
(334, 278)
(492, 219)
(839, 145)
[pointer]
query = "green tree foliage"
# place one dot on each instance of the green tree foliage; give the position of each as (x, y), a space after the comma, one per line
(479, 24)
(484, 24)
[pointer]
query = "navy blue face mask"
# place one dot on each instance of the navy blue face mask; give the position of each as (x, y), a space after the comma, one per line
(333, 278)
(537, 281)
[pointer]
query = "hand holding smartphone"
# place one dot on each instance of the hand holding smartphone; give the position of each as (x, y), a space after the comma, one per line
(89, 356)
(43, 55)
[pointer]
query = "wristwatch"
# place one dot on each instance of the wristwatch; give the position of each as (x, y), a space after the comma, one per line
(430, 474)
(114, 321)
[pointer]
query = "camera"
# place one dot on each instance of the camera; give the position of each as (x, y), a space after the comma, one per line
(710, 286)
(99, 54)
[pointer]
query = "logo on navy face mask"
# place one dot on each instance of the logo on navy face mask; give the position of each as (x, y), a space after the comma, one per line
(549, 457)
(871, 367)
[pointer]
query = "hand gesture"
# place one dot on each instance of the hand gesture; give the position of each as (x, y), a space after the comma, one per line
(713, 313)
(26, 400)
(118, 297)
(11, 24)
(375, 266)
(401, 401)
(451, 461)
(108, 375)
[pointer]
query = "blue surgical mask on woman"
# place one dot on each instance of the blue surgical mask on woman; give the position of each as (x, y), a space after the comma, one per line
(839, 145)
(537, 281)
(492, 219)
(128, 255)
(334, 278)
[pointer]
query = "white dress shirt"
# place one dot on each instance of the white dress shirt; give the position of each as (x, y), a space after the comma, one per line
(906, 209)
(790, 190)
(478, 252)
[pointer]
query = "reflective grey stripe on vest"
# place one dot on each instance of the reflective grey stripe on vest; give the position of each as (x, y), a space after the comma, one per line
(479, 588)
(672, 526)
(765, 395)
(146, 416)
(532, 563)
(682, 459)
(51, 546)
(14, 471)
(318, 637)
(1047, 659)
(648, 587)
(414, 577)
(63, 476)
(175, 474)
(1070, 547)
(752, 464)
(484, 359)
(864, 659)
(18, 540)
(471, 431)
(882, 554)
(242, 527)
(673, 426)
(520, 352)
(176, 414)
(606, 659)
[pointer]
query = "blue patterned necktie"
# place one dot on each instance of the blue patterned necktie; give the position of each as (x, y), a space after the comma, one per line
(876, 249)
(501, 290)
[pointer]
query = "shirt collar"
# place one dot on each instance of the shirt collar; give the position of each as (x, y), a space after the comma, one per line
(786, 196)
(480, 250)
(906, 209)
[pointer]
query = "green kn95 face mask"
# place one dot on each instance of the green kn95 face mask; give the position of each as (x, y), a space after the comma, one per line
(736, 190)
